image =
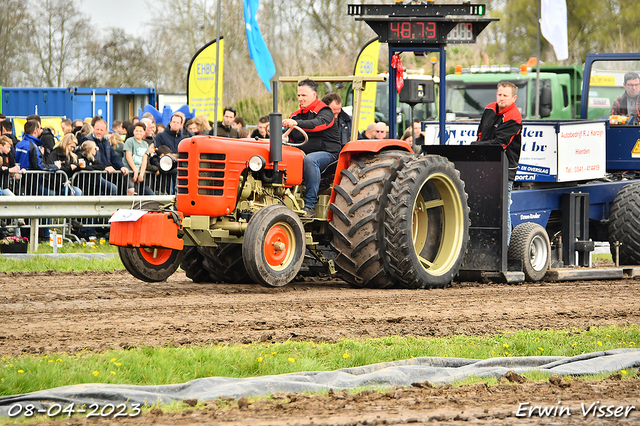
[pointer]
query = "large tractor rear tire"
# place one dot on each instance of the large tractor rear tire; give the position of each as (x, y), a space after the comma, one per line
(150, 264)
(530, 244)
(192, 265)
(357, 218)
(274, 246)
(426, 223)
(624, 225)
(224, 263)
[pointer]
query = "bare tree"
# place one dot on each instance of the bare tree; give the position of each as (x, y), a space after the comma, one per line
(57, 38)
(118, 60)
(13, 29)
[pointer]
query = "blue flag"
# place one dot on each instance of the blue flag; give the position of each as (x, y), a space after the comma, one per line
(257, 48)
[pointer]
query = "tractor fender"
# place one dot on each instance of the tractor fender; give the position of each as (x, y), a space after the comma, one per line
(356, 148)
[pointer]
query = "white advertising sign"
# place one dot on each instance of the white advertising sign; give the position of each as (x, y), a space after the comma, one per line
(581, 151)
(538, 154)
(456, 134)
(538, 160)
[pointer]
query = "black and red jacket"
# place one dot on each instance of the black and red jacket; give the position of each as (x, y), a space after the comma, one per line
(502, 128)
(321, 127)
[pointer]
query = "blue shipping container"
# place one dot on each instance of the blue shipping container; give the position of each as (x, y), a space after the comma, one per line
(76, 102)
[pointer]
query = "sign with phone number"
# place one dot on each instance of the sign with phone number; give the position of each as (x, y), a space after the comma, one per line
(576, 152)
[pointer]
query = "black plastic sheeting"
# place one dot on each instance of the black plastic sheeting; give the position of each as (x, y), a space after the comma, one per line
(403, 373)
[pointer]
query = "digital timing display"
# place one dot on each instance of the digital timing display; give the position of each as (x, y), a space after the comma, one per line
(412, 31)
(462, 33)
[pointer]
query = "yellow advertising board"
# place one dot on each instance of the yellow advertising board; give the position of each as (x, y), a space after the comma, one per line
(367, 64)
(53, 123)
(201, 80)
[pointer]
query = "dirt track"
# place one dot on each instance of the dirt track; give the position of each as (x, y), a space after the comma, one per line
(67, 312)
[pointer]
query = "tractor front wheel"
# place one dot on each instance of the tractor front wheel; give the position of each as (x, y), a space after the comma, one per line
(274, 246)
(150, 264)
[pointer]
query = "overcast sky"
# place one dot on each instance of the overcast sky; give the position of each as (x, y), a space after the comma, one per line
(128, 14)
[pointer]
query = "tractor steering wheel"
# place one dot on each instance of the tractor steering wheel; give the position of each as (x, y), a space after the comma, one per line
(285, 135)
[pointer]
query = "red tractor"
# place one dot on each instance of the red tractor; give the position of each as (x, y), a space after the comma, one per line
(391, 218)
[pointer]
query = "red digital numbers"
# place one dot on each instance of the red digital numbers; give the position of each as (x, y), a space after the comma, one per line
(406, 30)
(412, 30)
(394, 30)
(431, 30)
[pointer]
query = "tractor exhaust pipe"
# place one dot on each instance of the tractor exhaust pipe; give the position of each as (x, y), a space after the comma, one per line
(275, 138)
(275, 132)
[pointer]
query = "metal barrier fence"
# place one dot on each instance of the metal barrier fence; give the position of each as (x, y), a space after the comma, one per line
(38, 183)
(116, 183)
(48, 199)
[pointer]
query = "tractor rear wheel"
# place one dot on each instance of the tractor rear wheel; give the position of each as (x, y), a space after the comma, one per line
(624, 225)
(530, 244)
(426, 223)
(357, 228)
(192, 265)
(224, 264)
(150, 264)
(274, 246)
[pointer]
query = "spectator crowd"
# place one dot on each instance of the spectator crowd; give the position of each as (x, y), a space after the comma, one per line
(89, 158)
(126, 158)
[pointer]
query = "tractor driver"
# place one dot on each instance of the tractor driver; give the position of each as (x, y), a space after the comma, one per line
(627, 103)
(501, 124)
(323, 147)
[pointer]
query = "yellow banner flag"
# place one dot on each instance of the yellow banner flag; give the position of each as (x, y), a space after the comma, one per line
(52, 123)
(201, 80)
(367, 64)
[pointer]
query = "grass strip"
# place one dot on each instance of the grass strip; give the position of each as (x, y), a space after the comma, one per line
(99, 246)
(171, 365)
(67, 264)
(42, 263)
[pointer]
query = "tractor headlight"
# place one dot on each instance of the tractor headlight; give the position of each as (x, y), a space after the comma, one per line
(257, 163)
(167, 163)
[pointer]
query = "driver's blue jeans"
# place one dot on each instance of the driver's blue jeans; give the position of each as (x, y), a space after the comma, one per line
(313, 164)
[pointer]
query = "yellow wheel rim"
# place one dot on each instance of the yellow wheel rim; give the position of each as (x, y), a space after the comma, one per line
(438, 205)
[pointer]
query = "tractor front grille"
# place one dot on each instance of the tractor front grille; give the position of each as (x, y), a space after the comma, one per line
(207, 179)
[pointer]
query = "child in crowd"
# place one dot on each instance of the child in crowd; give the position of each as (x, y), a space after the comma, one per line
(90, 183)
(117, 145)
(65, 159)
(136, 151)
(8, 166)
(191, 126)
(87, 156)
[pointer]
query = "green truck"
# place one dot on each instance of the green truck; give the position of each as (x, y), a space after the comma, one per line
(468, 93)
(560, 91)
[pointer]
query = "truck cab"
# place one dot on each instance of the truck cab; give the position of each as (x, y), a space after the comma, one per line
(470, 90)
